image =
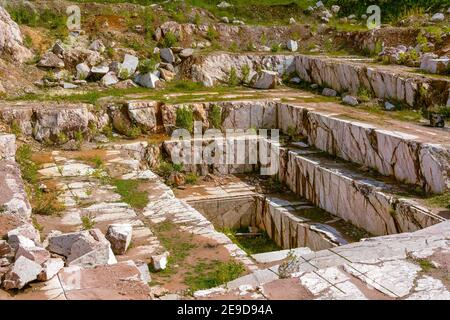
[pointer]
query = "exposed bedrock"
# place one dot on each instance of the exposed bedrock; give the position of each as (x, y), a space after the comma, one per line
(48, 121)
(346, 194)
(291, 231)
(11, 41)
(391, 153)
(341, 75)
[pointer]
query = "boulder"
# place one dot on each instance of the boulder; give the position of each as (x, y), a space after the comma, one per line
(50, 268)
(335, 9)
(144, 270)
(438, 17)
(425, 61)
(159, 262)
(265, 79)
(51, 60)
(350, 100)
(176, 178)
(295, 80)
(36, 254)
(167, 55)
(292, 21)
(186, 53)
(437, 120)
(125, 84)
(388, 106)
(119, 235)
(224, 5)
(147, 80)
(328, 92)
(144, 114)
(11, 42)
(292, 45)
(99, 70)
(109, 79)
(225, 20)
(97, 45)
(68, 85)
(128, 66)
(85, 248)
(166, 74)
(23, 272)
(167, 66)
(25, 235)
(83, 71)
(435, 65)
(58, 48)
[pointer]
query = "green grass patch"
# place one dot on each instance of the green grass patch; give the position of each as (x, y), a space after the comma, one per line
(178, 247)
(128, 190)
(439, 201)
(252, 245)
(210, 274)
(185, 118)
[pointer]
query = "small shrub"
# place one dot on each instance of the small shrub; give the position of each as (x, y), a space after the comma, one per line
(133, 132)
(148, 65)
(215, 117)
(185, 118)
(275, 48)
(61, 138)
(79, 139)
(170, 40)
(233, 79)
(197, 19)
(88, 222)
(191, 178)
(212, 34)
(15, 128)
(166, 168)
(46, 203)
(124, 74)
(233, 47)
(364, 94)
(28, 167)
(245, 73)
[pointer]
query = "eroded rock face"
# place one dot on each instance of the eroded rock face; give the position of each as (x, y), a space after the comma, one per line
(144, 114)
(340, 75)
(45, 121)
(390, 153)
(11, 42)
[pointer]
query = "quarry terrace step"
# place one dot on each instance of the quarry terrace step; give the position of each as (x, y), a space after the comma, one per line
(408, 154)
(367, 200)
(342, 74)
(289, 220)
(404, 150)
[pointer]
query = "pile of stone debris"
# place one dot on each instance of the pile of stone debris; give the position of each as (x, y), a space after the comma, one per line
(77, 62)
(24, 258)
